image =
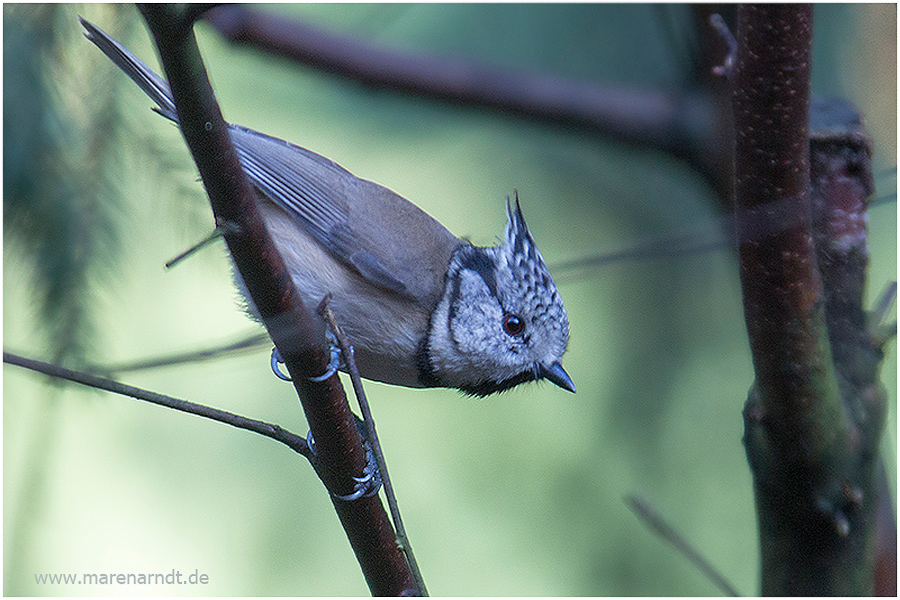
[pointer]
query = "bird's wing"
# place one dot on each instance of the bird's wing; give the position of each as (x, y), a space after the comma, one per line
(384, 237)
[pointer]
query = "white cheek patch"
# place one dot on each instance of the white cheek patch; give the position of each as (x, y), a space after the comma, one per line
(476, 315)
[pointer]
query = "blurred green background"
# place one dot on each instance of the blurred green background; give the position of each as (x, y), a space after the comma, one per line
(520, 494)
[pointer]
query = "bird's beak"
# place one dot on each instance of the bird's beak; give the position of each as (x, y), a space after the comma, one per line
(557, 375)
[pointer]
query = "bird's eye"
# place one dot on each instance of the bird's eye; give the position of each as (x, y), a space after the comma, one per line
(513, 325)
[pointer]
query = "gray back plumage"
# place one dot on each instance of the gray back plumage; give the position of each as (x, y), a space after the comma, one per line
(379, 234)
(383, 238)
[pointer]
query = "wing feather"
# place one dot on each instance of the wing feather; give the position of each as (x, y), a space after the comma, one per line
(378, 233)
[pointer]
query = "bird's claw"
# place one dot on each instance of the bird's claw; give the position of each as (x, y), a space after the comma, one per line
(333, 365)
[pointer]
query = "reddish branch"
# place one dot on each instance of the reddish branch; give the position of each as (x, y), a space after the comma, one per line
(811, 425)
(297, 334)
(782, 288)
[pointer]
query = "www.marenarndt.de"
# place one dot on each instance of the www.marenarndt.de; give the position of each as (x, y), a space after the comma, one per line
(173, 577)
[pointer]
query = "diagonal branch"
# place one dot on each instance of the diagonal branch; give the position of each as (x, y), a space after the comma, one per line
(297, 334)
(658, 525)
(253, 342)
(682, 123)
(372, 438)
(293, 441)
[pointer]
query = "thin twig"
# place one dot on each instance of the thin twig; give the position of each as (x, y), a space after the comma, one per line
(291, 440)
(726, 69)
(246, 344)
(659, 526)
(717, 234)
(372, 435)
(885, 301)
(215, 235)
(881, 331)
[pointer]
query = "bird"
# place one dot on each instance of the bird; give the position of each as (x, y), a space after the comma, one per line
(420, 306)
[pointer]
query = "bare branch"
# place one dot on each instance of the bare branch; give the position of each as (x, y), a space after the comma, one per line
(782, 288)
(372, 438)
(248, 343)
(293, 441)
(654, 521)
(298, 335)
(816, 410)
(681, 123)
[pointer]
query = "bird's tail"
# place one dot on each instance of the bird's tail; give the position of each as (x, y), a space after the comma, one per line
(152, 84)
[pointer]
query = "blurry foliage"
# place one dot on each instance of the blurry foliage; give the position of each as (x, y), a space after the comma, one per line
(59, 203)
(64, 192)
